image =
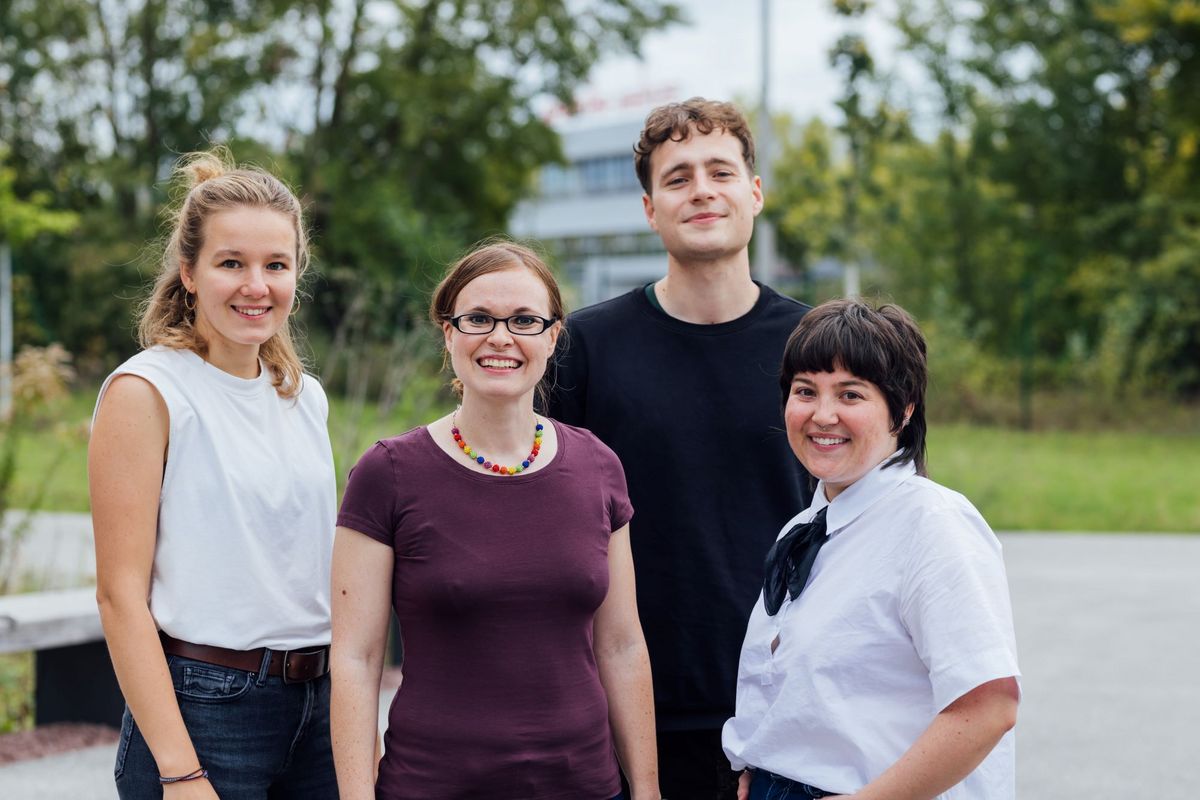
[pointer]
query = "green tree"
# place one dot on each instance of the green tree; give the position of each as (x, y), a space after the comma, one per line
(410, 127)
(101, 97)
(1053, 211)
(424, 134)
(23, 221)
(804, 201)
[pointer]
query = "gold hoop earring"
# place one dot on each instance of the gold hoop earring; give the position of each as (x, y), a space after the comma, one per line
(186, 295)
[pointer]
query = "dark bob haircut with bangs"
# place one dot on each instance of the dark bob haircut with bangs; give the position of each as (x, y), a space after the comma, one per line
(882, 345)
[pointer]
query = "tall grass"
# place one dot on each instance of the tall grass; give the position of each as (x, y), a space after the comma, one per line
(16, 692)
(1072, 480)
(52, 456)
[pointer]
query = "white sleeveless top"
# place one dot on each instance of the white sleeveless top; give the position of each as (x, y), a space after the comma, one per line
(247, 507)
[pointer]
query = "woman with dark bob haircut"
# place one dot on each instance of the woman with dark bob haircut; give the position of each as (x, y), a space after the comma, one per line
(879, 661)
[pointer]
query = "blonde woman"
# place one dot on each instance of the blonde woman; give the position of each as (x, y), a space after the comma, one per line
(213, 502)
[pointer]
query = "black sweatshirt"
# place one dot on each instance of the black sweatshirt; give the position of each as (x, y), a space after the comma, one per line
(694, 413)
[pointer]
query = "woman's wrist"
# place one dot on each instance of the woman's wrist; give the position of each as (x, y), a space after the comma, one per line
(185, 764)
(645, 793)
(198, 774)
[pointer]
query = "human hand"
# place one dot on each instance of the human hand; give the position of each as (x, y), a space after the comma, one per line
(199, 789)
(645, 792)
(743, 792)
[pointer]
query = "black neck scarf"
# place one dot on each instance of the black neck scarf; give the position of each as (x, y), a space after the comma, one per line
(790, 560)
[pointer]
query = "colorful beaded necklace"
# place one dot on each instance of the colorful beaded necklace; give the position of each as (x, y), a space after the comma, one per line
(499, 470)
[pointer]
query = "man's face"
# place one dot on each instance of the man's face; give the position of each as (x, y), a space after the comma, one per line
(704, 199)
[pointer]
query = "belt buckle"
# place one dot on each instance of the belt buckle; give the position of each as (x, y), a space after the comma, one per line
(322, 652)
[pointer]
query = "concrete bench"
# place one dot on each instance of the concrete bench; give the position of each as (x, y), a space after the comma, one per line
(74, 680)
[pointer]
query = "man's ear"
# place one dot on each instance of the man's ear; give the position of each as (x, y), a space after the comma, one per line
(648, 208)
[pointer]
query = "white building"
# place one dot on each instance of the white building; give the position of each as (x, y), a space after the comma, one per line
(588, 214)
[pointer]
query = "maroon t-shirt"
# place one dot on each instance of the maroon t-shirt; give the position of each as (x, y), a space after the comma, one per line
(495, 584)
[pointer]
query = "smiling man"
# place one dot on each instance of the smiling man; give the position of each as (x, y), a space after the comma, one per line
(680, 378)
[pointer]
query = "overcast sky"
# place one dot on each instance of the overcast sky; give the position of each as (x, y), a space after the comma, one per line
(719, 56)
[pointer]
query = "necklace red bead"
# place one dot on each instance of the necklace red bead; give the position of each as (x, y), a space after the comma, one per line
(473, 454)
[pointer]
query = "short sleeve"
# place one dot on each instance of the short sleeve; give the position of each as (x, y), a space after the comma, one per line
(620, 510)
(369, 503)
(146, 366)
(955, 603)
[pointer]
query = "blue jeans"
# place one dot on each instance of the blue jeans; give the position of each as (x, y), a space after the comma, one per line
(259, 739)
(769, 786)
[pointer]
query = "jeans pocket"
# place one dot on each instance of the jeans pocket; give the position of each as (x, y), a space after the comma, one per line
(123, 745)
(200, 682)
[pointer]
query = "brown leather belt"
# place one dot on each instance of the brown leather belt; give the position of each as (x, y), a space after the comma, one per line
(294, 666)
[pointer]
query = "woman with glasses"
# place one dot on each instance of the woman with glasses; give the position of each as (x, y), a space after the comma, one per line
(879, 661)
(501, 540)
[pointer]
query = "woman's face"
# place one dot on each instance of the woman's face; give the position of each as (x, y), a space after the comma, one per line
(501, 364)
(838, 426)
(244, 279)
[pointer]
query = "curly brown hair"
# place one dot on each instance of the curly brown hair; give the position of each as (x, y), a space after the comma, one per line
(676, 121)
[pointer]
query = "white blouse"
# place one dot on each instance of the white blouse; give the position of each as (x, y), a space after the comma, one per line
(905, 611)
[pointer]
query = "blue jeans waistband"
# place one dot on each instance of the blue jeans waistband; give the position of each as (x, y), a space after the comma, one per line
(777, 786)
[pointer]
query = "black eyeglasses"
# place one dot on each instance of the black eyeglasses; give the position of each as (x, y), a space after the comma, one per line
(519, 324)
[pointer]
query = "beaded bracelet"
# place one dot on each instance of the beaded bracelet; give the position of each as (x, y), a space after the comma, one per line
(200, 772)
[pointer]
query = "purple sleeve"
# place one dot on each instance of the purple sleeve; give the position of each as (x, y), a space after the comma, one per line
(369, 504)
(620, 510)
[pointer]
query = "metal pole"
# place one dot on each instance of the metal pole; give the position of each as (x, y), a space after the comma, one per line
(1025, 385)
(6, 330)
(764, 231)
(851, 282)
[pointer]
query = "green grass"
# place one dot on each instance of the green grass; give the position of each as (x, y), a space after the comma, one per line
(1044, 480)
(352, 431)
(16, 692)
(1072, 481)
(52, 458)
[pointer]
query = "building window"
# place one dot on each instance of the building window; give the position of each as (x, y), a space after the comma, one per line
(589, 176)
(574, 248)
(558, 180)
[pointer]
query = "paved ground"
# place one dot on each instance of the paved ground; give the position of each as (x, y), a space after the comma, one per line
(1109, 634)
(1107, 627)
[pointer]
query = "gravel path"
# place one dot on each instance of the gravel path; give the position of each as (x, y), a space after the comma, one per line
(50, 740)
